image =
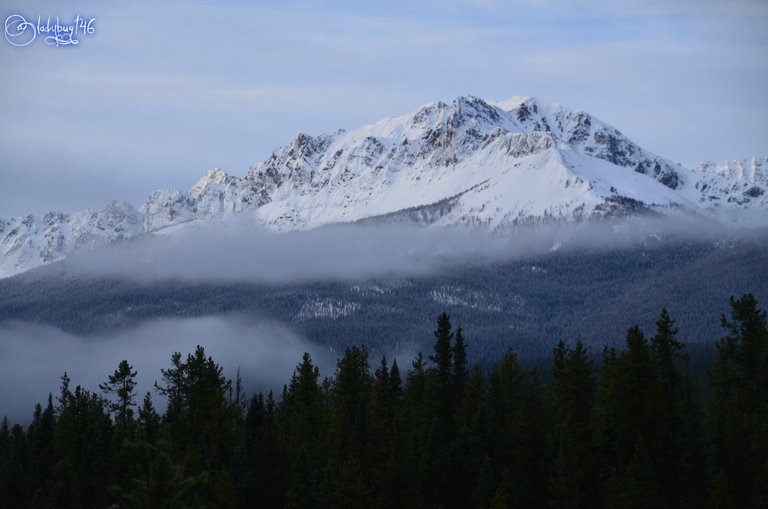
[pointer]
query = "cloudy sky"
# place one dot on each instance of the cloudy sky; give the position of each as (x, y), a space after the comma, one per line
(158, 94)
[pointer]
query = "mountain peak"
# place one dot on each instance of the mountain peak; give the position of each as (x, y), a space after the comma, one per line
(513, 102)
(214, 176)
(471, 162)
(471, 107)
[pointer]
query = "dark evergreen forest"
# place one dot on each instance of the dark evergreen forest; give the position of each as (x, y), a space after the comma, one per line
(626, 427)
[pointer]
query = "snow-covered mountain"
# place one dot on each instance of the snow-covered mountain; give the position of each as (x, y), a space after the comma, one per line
(492, 165)
(736, 191)
(30, 241)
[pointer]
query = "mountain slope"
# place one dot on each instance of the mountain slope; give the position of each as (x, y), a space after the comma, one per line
(29, 241)
(471, 162)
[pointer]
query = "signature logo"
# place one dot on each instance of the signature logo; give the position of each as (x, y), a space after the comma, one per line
(20, 32)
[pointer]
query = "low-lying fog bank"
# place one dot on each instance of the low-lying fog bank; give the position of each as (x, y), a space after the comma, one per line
(235, 251)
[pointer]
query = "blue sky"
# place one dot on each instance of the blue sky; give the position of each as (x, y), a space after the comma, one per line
(159, 94)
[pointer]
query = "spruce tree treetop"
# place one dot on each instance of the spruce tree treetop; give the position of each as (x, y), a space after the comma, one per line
(460, 370)
(121, 384)
(666, 350)
(395, 381)
(443, 355)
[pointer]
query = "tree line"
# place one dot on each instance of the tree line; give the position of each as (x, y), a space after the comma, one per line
(630, 430)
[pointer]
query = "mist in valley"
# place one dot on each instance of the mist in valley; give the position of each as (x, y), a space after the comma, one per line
(33, 358)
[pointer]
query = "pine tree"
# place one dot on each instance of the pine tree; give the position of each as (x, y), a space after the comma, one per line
(200, 414)
(350, 405)
(449, 378)
(65, 395)
(629, 405)
(149, 420)
(262, 469)
(443, 360)
(383, 399)
(239, 401)
(65, 492)
(208, 414)
(740, 403)
(5, 460)
(395, 382)
(423, 474)
(574, 483)
(174, 381)
(637, 403)
(159, 482)
(507, 383)
(83, 442)
(532, 447)
(693, 461)
(302, 419)
(381, 439)
(14, 467)
(460, 371)
(506, 379)
(680, 428)
(667, 351)
(40, 439)
(122, 384)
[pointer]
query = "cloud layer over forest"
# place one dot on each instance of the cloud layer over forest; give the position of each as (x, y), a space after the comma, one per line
(237, 251)
(33, 358)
